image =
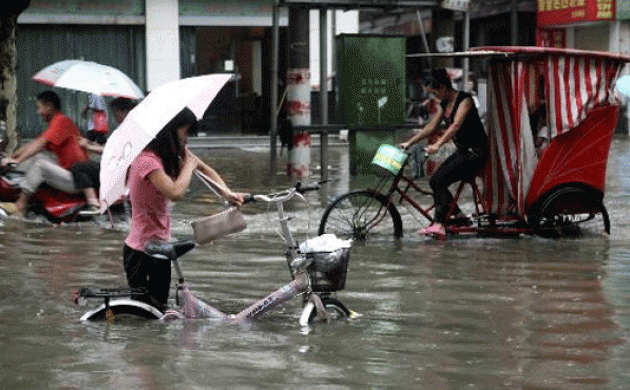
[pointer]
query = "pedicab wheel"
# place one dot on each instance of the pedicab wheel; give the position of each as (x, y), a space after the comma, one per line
(121, 308)
(571, 211)
(362, 213)
(336, 311)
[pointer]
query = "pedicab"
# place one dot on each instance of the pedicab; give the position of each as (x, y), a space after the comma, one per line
(550, 120)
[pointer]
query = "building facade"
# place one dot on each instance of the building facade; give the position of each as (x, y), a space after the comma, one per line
(156, 41)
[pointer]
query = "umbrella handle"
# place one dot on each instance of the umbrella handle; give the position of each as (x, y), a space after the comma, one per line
(213, 185)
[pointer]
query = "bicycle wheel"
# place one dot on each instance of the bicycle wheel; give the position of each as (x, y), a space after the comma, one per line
(571, 211)
(120, 308)
(358, 214)
(336, 311)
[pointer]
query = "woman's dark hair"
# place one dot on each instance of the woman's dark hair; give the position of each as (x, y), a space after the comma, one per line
(438, 78)
(50, 97)
(166, 143)
(123, 104)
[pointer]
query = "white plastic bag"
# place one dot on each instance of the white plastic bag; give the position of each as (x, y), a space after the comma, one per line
(324, 243)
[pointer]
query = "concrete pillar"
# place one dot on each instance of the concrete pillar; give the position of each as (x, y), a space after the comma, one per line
(162, 31)
(299, 92)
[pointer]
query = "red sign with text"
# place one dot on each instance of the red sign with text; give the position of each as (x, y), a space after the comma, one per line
(551, 37)
(558, 12)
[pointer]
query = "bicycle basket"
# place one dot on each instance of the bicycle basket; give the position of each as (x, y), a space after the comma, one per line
(388, 160)
(329, 269)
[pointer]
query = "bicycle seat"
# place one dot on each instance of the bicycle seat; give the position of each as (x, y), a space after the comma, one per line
(169, 250)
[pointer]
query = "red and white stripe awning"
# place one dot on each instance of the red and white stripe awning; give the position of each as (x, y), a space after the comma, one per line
(571, 83)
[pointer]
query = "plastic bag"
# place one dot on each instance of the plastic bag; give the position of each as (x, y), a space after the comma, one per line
(324, 243)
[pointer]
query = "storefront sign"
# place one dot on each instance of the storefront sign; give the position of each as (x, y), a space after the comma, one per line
(456, 5)
(558, 12)
(551, 37)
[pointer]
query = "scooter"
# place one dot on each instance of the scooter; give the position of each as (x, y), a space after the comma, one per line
(56, 206)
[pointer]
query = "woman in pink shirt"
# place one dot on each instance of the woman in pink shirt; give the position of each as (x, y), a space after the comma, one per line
(161, 173)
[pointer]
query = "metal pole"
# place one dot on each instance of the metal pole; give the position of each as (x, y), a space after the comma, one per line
(323, 89)
(274, 90)
(424, 34)
(514, 17)
(427, 49)
(466, 63)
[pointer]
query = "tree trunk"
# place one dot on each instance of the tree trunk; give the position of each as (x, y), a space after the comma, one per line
(8, 81)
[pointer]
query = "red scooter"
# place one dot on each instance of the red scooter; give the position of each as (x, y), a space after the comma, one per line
(56, 206)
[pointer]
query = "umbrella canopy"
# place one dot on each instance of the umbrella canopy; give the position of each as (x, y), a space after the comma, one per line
(145, 121)
(89, 77)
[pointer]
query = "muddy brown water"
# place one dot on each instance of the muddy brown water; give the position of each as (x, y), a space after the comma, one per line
(466, 313)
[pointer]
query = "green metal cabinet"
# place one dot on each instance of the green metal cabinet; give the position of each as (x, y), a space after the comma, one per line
(371, 99)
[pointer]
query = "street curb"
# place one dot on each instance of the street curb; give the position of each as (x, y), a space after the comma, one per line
(253, 141)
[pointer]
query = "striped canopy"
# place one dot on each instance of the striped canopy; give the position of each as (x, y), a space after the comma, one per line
(569, 82)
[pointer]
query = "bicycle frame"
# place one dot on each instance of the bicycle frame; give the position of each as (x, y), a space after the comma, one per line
(401, 185)
(194, 308)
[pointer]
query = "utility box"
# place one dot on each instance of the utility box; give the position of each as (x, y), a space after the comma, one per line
(371, 100)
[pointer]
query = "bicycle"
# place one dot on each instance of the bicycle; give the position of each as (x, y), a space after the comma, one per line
(360, 214)
(316, 275)
(566, 210)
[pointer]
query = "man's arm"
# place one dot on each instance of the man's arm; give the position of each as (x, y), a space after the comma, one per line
(27, 151)
(90, 146)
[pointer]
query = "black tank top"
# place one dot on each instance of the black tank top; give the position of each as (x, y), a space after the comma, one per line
(471, 134)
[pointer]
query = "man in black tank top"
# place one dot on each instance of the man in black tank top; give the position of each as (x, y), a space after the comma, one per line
(464, 128)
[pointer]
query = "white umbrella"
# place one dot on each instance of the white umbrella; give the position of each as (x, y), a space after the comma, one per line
(145, 121)
(88, 76)
(623, 85)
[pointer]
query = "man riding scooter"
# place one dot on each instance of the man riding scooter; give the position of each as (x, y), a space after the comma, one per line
(49, 157)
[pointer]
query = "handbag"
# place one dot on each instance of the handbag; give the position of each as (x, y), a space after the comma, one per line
(215, 226)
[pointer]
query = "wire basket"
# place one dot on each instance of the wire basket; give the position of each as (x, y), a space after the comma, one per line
(328, 270)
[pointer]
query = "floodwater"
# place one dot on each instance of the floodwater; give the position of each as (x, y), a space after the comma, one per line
(466, 313)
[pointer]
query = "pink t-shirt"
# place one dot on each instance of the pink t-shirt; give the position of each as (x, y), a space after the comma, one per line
(150, 214)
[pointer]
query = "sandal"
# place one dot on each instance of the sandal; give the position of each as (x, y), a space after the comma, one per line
(9, 208)
(436, 231)
(423, 231)
(90, 210)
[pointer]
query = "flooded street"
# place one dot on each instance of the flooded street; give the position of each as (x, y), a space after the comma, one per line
(465, 313)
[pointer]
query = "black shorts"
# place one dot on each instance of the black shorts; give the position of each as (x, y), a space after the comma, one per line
(153, 274)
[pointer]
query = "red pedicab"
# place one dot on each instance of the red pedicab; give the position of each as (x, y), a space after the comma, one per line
(550, 120)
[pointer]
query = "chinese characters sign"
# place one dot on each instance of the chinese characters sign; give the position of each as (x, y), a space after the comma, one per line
(551, 37)
(557, 12)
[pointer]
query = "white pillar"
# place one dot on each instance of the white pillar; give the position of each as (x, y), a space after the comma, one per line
(162, 31)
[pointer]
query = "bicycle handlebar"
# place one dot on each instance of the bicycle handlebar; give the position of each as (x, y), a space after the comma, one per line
(309, 187)
(285, 195)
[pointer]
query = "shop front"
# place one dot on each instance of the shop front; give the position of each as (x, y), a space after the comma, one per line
(579, 24)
